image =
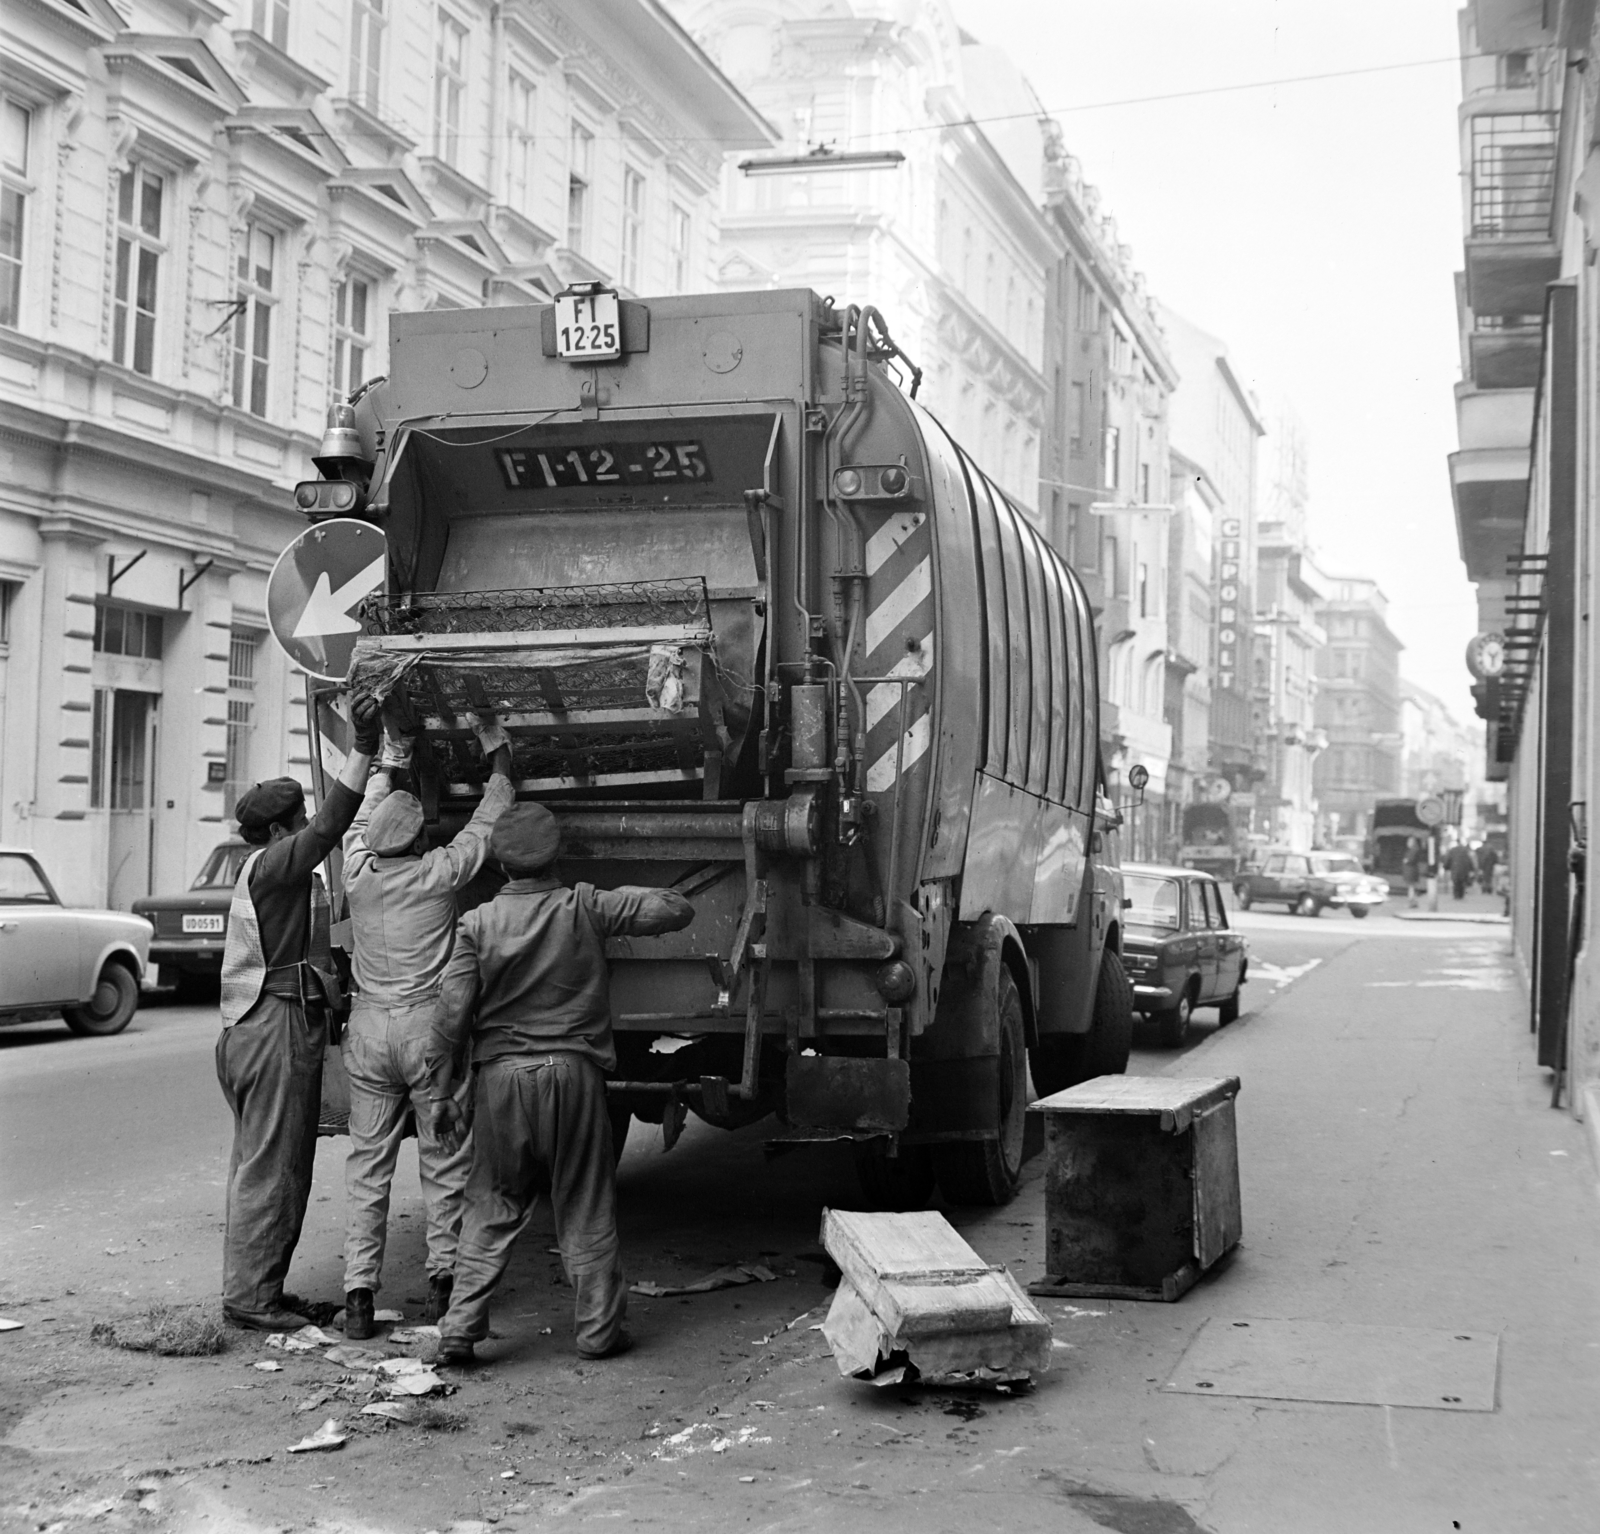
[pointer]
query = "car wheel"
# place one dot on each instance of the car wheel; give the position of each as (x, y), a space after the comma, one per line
(1172, 1025)
(1360, 911)
(988, 1171)
(1228, 1010)
(111, 1008)
(1308, 905)
(1242, 895)
(894, 1182)
(1064, 1060)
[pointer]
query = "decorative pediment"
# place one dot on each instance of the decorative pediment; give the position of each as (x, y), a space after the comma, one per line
(472, 235)
(264, 64)
(180, 67)
(739, 269)
(295, 130)
(90, 21)
(386, 189)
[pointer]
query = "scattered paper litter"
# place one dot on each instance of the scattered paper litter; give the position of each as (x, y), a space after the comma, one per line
(386, 1315)
(395, 1411)
(424, 1384)
(313, 1401)
(700, 1437)
(354, 1358)
(415, 1334)
(401, 1366)
(267, 1366)
(327, 1436)
(8, 1325)
(723, 1278)
(302, 1341)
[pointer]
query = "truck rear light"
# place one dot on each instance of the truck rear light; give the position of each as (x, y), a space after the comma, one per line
(327, 497)
(872, 482)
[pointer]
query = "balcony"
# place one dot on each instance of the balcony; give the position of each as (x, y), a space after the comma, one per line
(1503, 351)
(1510, 253)
(1489, 475)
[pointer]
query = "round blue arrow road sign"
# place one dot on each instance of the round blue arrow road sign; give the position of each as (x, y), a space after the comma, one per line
(315, 588)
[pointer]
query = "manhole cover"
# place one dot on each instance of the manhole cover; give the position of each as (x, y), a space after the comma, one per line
(1327, 1361)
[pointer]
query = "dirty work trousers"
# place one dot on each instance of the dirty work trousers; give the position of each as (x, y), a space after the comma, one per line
(539, 1126)
(387, 1051)
(270, 1067)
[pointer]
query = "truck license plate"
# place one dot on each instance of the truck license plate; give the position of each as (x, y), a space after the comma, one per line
(197, 924)
(588, 326)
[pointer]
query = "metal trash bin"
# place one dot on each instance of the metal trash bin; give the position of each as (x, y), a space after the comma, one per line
(1142, 1185)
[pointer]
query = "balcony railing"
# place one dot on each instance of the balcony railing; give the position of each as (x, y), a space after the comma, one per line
(1513, 173)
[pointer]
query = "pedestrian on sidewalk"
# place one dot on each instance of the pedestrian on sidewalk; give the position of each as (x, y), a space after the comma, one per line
(1488, 858)
(277, 987)
(528, 981)
(1459, 863)
(402, 900)
(1415, 869)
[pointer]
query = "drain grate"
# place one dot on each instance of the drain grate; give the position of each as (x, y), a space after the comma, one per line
(1329, 1361)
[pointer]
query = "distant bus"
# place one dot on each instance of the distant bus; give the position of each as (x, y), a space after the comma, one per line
(1394, 823)
(1208, 841)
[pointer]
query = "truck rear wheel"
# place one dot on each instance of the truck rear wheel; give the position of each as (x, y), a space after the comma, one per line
(1063, 1060)
(894, 1182)
(988, 1171)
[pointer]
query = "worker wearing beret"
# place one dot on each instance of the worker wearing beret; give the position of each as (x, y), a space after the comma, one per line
(528, 981)
(277, 981)
(402, 901)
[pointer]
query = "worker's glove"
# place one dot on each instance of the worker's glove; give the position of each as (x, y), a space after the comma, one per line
(491, 734)
(396, 755)
(366, 716)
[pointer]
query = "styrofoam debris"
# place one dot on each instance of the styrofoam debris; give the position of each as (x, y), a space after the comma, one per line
(415, 1334)
(395, 1411)
(267, 1366)
(386, 1315)
(8, 1325)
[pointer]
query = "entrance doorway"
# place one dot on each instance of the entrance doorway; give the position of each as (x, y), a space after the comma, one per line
(123, 783)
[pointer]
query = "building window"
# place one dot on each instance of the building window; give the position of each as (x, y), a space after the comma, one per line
(352, 339)
(127, 631)
(449, 87)
(632, 226)
(1086, 306)
(270, 19)
(16, 134)
(242, 648)
(140, 198)
(366, 51)
(8, 598)
(1515, 70)
(1144, 485)
(522, 103)
(254, 298)
(119, 749)
(1111, 458)
(1513, 173)
(579, 173)
(1080, 416)
(680, 249)
(1145, 608)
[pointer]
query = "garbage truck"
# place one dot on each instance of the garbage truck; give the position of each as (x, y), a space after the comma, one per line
(762, 631)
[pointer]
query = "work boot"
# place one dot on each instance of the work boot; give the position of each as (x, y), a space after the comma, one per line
(622, 1344)
(455, 1351)
(439, 1287)
(277, 1320)
(358, 1322)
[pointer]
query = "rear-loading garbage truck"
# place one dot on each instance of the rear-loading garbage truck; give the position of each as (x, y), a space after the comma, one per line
(760, 630)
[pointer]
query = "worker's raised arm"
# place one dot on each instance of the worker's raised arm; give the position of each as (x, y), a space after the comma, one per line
(636, 911)
(366, 720)
(469, 847)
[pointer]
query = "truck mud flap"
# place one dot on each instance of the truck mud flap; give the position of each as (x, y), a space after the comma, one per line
(833, 1092)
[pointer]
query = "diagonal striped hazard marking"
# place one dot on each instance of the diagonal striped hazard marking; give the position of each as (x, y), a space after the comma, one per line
(890, 536)
(880, 775)
(882, 699)
(895, 608)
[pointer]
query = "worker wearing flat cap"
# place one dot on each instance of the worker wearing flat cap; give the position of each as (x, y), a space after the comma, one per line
(277, 983)
(528, 982)
(402, 900)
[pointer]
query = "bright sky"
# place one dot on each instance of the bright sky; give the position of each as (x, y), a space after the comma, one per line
(1314, 228)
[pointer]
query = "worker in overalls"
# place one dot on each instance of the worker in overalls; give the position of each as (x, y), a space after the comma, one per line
(277, 983)
(402, 900)
(528, 981)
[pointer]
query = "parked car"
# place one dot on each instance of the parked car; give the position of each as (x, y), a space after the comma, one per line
(1178, 949)
(86, 965)
(191, 928)
(1305, 882)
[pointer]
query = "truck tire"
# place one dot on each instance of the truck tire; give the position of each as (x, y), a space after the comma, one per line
(111, 1008)
(1172, 1023)
(1065, 1059)
(894, 1182)
(1241, 893)
(989, 1171)
(1360, 912)
(1308, 905)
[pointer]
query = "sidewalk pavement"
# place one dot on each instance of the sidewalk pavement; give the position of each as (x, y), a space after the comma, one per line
(1474, 906)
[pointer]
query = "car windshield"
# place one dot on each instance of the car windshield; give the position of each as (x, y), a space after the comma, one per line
(21, 883)
(1155, 901)
(221, 871)
(1335, 863)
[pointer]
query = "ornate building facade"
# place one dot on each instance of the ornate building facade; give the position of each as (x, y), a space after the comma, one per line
(210, 210)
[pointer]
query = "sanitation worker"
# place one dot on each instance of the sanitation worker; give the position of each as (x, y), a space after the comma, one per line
(277, 983)
(528, 981)
(1461, 865)
(402, 918)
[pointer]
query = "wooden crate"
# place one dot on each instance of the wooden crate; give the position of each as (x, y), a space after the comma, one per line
(1142, 1185)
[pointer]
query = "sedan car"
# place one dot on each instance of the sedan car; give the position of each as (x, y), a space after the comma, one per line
(1306, 882)
(86, 965)
(191, 928)
(1178, 949)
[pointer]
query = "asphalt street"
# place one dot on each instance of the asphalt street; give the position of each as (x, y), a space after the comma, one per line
(1400, 1168)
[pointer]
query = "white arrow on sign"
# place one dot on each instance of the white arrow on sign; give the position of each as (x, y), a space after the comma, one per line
(328, 611)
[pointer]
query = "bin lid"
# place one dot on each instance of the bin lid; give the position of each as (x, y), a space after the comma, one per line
(1155, 1095)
